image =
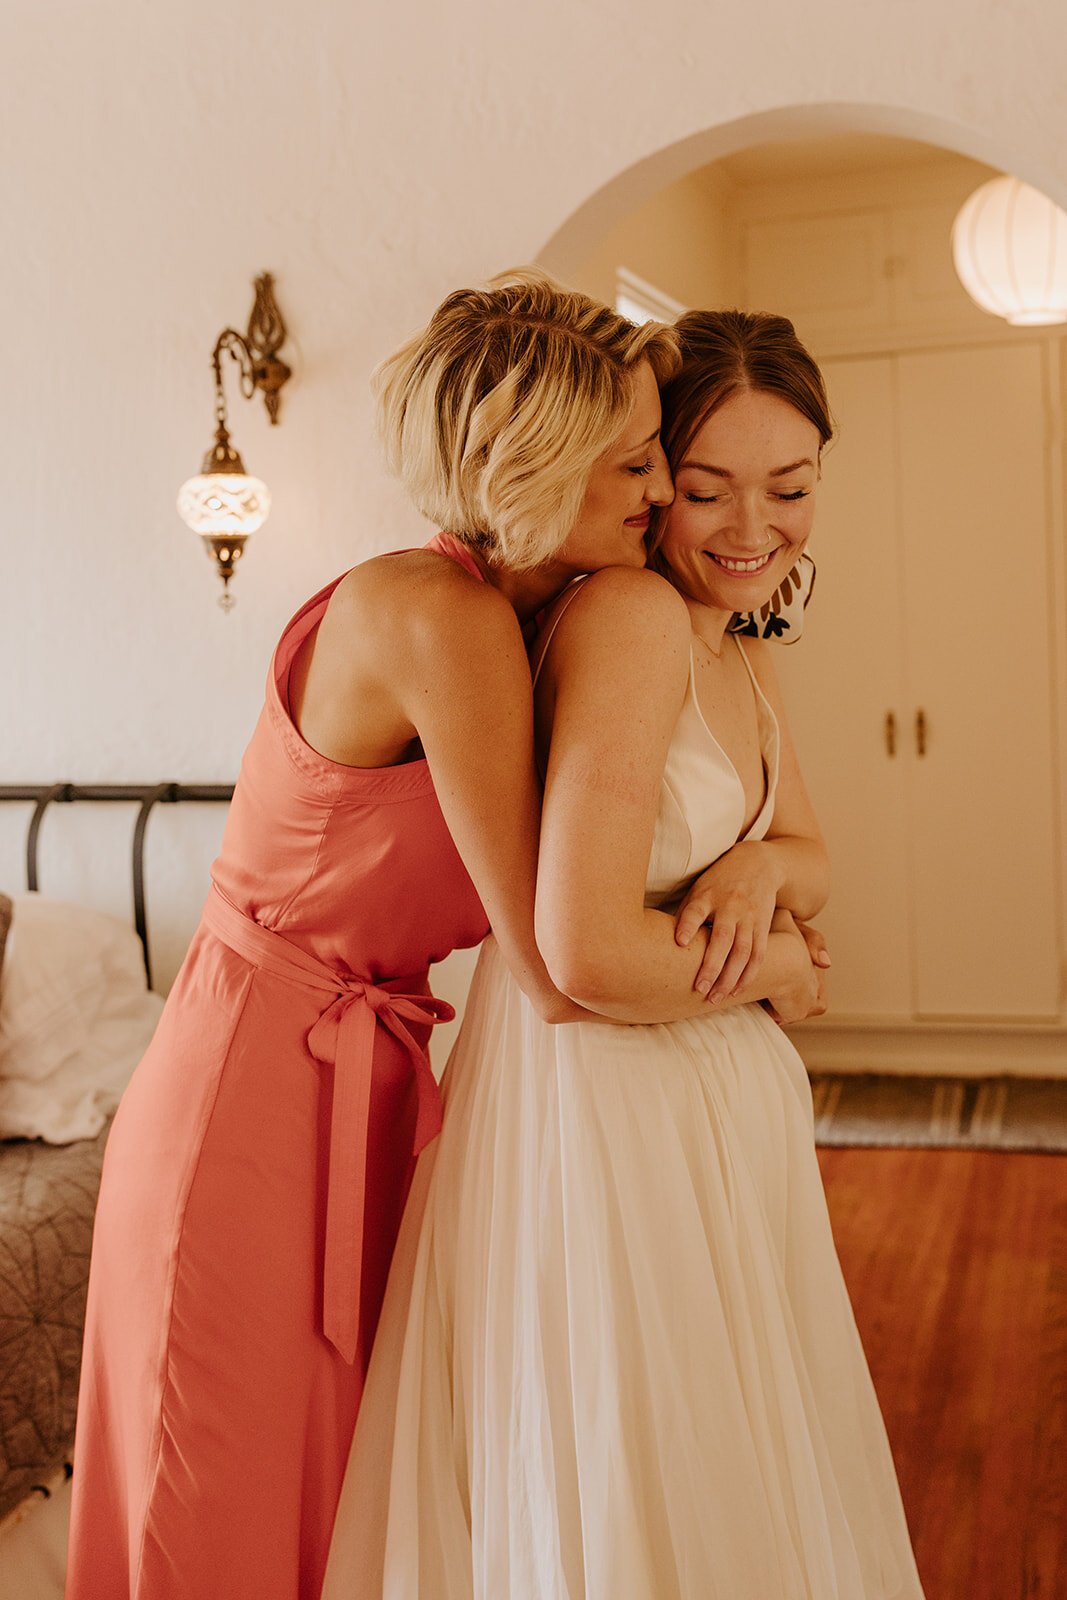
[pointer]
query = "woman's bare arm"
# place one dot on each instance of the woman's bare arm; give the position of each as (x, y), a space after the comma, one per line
(468, 693)
(419, 651)
(617, 669)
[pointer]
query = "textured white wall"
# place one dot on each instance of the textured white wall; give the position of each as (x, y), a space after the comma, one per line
(154, 157)
(676, 241)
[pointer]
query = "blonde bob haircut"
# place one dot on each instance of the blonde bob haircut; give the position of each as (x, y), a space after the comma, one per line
(494, 415)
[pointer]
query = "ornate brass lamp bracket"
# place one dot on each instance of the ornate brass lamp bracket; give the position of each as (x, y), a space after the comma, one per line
(256, 354)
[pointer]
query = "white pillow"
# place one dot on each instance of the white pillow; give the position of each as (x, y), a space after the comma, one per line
(75, 1019)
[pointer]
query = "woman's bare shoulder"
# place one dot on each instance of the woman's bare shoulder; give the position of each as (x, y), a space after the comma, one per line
(408, 593)
(409, 575)
(630, 601)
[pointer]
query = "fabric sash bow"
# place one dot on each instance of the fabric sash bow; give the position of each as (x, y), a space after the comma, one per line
(344, 1038)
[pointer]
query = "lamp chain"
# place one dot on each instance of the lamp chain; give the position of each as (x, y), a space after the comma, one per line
(229, 340)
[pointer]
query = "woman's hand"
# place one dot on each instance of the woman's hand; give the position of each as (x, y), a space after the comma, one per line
(804, 992)
(737, 896)
(815, 942)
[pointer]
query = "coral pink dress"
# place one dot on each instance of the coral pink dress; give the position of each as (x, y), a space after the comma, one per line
(256, 1174)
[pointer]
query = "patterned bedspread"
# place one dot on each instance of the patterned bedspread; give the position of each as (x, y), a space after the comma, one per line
(47, 1200)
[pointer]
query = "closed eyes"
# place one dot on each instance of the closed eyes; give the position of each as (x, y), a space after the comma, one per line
(713, 499)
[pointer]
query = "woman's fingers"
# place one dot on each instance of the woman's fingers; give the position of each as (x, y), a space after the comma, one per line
(735, 965)
(816, 944)
(735, 953)
(693, 912)
(720, 944)
(754, 963)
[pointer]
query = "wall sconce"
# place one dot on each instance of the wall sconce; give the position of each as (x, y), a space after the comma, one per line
(1009, 246)
(224, 503)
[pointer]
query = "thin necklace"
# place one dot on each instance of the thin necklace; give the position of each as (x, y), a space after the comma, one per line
(709, 648)
(706, 642)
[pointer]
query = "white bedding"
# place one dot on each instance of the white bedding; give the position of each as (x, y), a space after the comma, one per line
(33, 1546)
(75, 1019)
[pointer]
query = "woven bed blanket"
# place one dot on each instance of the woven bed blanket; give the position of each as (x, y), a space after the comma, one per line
(47, 1201)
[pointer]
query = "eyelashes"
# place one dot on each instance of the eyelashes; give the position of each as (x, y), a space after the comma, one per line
(713, 499)
(642, 472)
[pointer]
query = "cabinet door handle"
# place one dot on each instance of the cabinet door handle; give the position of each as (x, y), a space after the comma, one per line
(890, 734)
(920, 731)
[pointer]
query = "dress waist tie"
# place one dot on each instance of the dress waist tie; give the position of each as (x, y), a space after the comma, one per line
(344, 1039)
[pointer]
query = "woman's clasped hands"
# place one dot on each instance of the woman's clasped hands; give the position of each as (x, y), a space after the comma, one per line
(737, 899)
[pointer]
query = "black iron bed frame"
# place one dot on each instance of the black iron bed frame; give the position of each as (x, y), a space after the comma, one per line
(144, 795)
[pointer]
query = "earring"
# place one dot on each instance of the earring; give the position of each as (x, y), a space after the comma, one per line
(782, 617)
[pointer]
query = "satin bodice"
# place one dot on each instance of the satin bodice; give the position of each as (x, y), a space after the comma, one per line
(702, 799)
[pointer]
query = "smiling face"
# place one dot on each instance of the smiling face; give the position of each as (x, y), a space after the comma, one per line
(744, 502)
(628, 480)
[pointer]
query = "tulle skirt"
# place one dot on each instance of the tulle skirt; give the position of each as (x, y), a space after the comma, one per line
(617, 1359)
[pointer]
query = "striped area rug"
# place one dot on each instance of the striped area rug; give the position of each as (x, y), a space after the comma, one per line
(956, 1113)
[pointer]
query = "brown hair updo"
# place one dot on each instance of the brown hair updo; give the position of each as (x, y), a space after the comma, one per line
(727, 352)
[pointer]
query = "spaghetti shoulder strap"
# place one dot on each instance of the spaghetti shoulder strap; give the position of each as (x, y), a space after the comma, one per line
(545, 639)
(761, 698)
(743, 653)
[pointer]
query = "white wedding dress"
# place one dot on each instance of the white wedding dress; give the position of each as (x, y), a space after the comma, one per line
(617, 1359)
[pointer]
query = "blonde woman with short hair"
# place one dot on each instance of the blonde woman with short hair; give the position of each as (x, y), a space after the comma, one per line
(387, 812)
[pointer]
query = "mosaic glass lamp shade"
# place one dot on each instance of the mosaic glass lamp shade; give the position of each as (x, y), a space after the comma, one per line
(224, 504)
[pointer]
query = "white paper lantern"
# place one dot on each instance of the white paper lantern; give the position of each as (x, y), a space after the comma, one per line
(1009, 245)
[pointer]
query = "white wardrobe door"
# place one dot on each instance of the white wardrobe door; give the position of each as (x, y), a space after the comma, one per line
(974, 508)
(840, 682)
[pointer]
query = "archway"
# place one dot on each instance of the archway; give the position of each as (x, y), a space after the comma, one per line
(577, 233)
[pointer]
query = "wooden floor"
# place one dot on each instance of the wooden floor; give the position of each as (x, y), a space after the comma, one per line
(957, 1266)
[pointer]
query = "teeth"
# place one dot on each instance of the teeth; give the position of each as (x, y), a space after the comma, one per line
(741, 566)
